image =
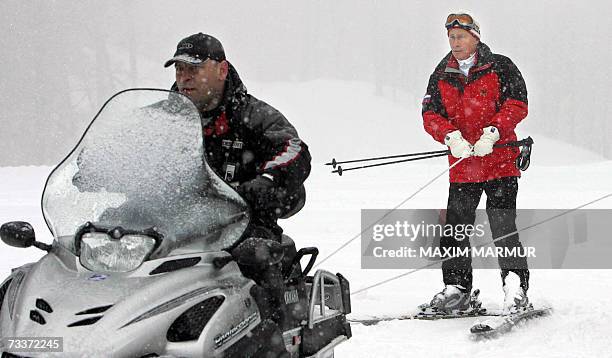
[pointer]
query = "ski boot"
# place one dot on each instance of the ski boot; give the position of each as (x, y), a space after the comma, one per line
(515, 297)
(452, 301)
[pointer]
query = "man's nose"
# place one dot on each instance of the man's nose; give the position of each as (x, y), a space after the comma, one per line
(182, 76)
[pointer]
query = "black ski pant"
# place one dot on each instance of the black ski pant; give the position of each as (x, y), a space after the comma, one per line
(463, 199)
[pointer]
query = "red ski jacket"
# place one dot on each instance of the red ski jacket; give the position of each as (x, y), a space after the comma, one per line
(493, 94)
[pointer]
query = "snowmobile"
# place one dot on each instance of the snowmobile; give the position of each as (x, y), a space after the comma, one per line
(139, 264)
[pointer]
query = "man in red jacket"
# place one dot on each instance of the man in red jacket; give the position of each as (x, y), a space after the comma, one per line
(474, 100)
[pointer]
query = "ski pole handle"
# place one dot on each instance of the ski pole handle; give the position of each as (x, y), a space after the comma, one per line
(519, 143)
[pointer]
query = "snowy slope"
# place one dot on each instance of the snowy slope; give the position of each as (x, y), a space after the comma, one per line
(580, 326)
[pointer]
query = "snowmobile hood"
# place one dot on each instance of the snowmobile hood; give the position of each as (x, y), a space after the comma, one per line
(99, 313)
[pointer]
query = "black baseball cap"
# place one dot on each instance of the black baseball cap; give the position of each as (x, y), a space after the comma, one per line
(195, 49)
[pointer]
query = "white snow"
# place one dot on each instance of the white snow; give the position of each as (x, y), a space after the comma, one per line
(560, 176)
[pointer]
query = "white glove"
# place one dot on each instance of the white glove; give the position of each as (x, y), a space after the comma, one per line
(484, 146)
(459, 147)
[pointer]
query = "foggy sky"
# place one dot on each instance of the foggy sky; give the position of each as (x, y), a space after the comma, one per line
(62, 59)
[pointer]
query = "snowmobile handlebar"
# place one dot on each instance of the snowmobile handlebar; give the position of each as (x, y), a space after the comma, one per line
(312, 251)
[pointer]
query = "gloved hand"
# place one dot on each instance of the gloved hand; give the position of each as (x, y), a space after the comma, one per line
(259, 192)
(484, 145)
(459, 147)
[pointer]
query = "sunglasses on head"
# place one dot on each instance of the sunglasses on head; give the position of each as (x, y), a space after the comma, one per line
(461, 20)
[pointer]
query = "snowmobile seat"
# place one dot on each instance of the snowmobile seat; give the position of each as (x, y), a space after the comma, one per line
(289, 254)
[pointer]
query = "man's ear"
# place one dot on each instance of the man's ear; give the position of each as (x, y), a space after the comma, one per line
(223, 70)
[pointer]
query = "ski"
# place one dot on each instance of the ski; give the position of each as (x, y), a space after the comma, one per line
(427, 317)
(427, 312)
(495, 326)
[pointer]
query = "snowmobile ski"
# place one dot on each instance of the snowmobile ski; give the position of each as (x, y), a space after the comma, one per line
(495, 326)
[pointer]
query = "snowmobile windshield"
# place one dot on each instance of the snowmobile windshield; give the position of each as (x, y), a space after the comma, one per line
(140, 165)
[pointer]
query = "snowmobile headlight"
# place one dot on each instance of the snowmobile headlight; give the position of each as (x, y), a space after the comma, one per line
(101, 252)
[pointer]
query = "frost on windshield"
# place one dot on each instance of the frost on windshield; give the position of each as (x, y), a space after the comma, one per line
(140, 165)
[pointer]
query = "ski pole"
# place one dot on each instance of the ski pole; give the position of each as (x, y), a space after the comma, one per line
(524, 142)
(340, 170)
(334, 163)
(522, 160)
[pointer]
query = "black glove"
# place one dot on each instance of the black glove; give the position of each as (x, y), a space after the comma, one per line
(258, 252)
(260, 192)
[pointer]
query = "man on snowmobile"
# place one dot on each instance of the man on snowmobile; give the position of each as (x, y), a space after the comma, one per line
(252, 146)
(475, 99)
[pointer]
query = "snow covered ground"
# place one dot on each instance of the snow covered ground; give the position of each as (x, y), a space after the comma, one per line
(560, 176)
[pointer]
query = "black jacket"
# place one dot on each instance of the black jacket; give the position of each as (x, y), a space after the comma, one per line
(245, 137)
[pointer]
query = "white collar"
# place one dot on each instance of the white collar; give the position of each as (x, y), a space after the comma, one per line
(468, 61)
(465, 65)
